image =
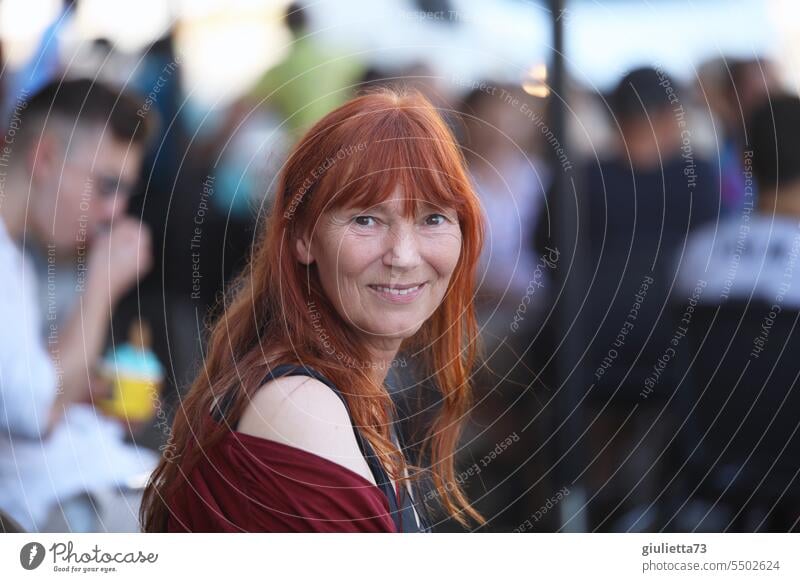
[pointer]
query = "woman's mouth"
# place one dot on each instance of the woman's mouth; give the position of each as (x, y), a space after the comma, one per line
(399, 293)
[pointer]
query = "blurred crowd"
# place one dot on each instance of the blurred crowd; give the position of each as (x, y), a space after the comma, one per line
(687, 201)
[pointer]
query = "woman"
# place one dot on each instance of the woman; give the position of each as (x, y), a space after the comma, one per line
(370, 251)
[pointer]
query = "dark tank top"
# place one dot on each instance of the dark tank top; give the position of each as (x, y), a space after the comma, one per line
(402, 509)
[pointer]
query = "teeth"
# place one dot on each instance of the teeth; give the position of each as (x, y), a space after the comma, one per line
(396, 291)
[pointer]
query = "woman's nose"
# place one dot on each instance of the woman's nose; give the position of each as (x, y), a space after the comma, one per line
(403, 251)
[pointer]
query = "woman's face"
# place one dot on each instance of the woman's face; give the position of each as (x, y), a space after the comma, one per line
(385, 273)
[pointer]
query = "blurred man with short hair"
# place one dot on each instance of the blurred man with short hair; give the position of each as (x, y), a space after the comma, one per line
(68, 161)
(642, 202)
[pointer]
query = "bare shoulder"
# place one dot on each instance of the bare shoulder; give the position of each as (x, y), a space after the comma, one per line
(303, 412)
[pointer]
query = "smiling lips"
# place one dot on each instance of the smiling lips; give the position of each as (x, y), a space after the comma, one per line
(399, 293)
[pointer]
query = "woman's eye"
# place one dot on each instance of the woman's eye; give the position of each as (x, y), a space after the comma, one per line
(364, 220)
(435, 219)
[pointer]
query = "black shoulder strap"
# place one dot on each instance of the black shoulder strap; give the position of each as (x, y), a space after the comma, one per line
(410, 506)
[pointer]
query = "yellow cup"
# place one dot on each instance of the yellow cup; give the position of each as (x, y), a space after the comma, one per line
(136, 376)
(133, 398)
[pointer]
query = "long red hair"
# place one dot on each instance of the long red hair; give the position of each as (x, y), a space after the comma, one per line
(355, 156)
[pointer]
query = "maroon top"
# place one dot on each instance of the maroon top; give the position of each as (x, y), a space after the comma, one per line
(250, 484)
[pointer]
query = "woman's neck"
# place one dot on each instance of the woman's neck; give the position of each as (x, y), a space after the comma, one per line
(383, 354)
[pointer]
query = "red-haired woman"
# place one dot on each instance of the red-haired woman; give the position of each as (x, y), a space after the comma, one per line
(369, 251)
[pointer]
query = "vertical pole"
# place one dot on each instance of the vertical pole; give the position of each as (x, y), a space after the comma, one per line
(570, 371)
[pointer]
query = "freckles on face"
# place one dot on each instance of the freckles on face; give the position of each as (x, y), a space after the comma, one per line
(387, 273)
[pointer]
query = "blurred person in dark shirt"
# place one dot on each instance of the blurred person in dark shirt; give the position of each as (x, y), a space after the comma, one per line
(641, 203)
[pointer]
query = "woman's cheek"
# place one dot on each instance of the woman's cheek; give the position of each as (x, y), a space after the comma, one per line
(338, 247)
(357, 254)
(445, 249)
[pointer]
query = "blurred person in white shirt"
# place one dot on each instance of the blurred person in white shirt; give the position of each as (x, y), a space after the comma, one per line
(501, 147)
(68, 161)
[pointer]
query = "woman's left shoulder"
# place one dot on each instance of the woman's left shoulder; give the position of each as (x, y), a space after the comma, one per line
(305, 413)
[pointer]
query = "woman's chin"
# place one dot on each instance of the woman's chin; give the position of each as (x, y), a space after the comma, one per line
(401, 331)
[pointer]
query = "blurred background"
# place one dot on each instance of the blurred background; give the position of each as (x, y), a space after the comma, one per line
(610, 142)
